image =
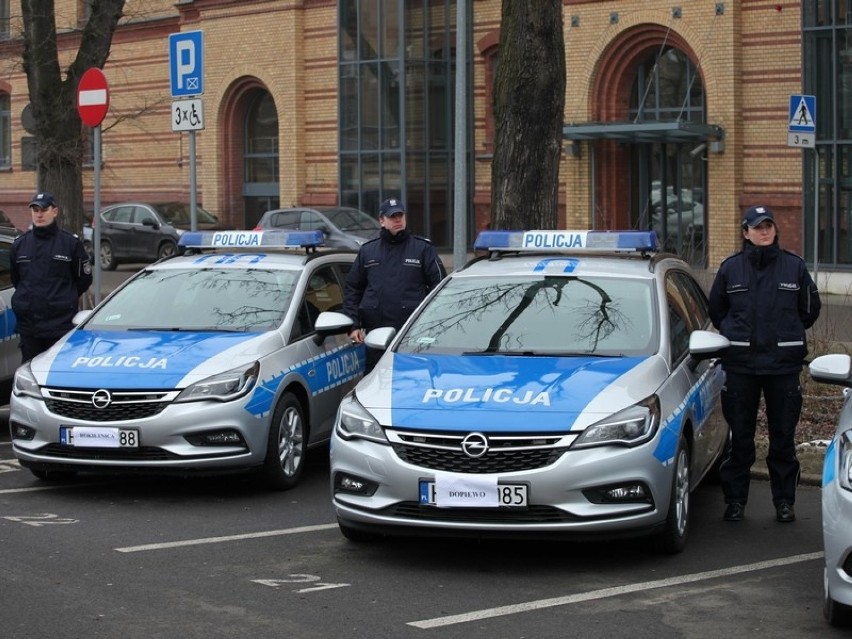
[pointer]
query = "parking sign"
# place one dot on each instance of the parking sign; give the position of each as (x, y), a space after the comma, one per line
(186, 63)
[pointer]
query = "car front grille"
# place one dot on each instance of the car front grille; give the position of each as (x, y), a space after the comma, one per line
(123, 405)
(141, 454)
(504, 453)
(531, 515)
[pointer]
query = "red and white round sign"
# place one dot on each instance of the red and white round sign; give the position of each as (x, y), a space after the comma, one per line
(93, 97)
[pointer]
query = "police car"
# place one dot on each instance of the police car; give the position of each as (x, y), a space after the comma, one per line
(546, 388)
(836, 369)
(206, 362)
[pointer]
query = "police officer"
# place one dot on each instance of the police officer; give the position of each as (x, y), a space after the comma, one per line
(50, 271)
(391, 275)
(762, 300)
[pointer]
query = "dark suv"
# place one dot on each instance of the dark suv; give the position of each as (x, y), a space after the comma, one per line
(144, 232)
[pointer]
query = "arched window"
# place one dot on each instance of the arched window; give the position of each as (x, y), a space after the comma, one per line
(260, 157)
(668, 177)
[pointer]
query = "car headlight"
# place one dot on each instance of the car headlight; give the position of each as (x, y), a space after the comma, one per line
(629, 427)
(353, 420)
(845, 460)
(25, 383)
(223, 387)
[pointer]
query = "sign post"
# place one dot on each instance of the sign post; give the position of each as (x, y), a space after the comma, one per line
(92, 105)
(186, 73)
(801, 132)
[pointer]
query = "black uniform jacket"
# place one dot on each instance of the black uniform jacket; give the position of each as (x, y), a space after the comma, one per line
(50, 270)
(389, 278)
(762, 300)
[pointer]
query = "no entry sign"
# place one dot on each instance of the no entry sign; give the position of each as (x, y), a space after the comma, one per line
(92, 97)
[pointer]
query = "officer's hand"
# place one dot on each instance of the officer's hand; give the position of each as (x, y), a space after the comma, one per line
(357, 336)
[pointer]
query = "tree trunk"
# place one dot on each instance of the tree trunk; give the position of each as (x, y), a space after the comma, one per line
(54, 100)
(529, 105)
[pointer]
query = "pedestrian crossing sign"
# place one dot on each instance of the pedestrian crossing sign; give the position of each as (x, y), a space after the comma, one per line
(802, 114)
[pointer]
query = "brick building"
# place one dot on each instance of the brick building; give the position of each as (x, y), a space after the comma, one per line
(676, 114)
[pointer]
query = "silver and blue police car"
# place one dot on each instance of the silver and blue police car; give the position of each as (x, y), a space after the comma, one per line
(837, 494)
(546, 388)
(207, 362)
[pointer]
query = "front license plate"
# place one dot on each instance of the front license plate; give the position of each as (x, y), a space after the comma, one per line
(508, 495)
(96, 437)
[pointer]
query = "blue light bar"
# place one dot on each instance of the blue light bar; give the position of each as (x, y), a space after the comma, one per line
(251, 239)
(561, 241)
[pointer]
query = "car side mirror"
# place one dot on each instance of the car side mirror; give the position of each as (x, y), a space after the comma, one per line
(150, 222)
(832, 369)
(707, 345)
(331, 323)
(380, 338)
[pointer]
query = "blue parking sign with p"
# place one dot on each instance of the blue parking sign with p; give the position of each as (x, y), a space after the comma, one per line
(186, 63)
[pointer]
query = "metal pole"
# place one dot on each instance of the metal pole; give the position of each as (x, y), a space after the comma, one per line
(96, 218)
(816, 213)
(193, 213)
(460, 203)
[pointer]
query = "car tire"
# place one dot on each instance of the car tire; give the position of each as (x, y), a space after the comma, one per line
(835, 613)
(167, 249)
(286, 445)
(356, 534)
(672, 539)
(108, 261)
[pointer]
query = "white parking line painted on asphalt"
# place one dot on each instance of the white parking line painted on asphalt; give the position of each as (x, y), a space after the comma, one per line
(218, 540)
(35, 489)
(500, 611)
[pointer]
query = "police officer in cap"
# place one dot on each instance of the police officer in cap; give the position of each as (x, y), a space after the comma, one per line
(391, 275)
(50, 271)
(762, 299)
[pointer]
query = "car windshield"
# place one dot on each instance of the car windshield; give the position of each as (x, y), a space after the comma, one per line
(352, 220)
(216, 299)
(542, 316)
(178, 214)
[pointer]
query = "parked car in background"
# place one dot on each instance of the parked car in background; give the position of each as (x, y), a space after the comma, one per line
(837, 495)
(201, 363)
(548, 388)
(342, 226)
(144, 232)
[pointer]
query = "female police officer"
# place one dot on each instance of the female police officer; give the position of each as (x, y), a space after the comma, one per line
(762, 300)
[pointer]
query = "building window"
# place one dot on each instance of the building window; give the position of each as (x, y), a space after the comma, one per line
(260, 158)
(5, 132)
(668, 179)
(29, 153)
(4, 19)
(89, 147)
(827, 74)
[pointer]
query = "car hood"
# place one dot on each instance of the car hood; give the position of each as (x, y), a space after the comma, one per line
(145, 359)
(460, 393)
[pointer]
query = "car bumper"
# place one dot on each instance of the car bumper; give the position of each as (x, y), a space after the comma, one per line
(837, 539)
(163, 439)
(558, 495)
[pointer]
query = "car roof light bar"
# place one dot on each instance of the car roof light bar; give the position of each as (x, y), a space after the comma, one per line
(250, 239)
(564, 241)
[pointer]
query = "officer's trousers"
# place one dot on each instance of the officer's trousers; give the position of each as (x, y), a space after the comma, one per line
(782, 396)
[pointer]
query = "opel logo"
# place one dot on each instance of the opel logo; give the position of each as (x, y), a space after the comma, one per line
(101, 398)
(475, 445)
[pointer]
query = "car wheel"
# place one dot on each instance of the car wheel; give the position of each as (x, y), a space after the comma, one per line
(837, 614)
(167, 249)
(108, 261)
(672, 539)
(286, 445)
(356, 534)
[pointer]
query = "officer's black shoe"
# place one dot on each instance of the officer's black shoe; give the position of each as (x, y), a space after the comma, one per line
(784, 513)
(735, 512)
